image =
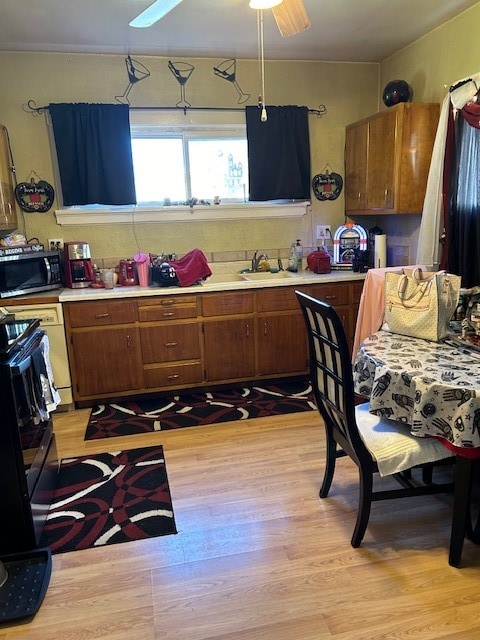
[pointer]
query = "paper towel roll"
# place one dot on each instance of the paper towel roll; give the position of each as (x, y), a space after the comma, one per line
(380, 252)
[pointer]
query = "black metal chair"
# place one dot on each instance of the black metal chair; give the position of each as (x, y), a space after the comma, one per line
(376, 445)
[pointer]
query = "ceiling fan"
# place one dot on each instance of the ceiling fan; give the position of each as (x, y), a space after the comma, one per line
(290, 15)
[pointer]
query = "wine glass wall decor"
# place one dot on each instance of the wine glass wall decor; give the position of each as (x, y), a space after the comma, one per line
(227, 71)
(136, 72)
(182, 72)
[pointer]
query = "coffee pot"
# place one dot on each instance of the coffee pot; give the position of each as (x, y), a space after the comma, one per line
(127, 274)
(78, 269)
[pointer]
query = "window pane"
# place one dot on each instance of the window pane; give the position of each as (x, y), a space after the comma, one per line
(159, 169)
(218, 168)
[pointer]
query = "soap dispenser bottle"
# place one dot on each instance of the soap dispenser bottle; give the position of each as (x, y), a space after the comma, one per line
(299, 254)
(292, 260)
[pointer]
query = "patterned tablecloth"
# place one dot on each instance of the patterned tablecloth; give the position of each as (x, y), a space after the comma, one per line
(433, 387)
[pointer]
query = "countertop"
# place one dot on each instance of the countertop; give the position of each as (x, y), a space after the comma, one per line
(217, 282)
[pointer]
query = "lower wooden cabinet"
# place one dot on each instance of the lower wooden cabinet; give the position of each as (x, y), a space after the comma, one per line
(104, 348)
(282, 344)
(229, 349)
(133, 346)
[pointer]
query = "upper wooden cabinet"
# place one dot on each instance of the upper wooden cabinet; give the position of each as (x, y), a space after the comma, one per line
(387, 159)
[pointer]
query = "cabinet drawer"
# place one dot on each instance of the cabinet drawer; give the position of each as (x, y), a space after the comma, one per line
(167, 308)
(278, 299)
(178, 374)
(167, 343)
(334, 294)
(226, 304)
(91, 314)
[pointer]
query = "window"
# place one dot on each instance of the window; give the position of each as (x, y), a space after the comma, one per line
(175, 165)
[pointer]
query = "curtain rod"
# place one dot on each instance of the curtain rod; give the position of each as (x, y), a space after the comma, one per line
(322, 109)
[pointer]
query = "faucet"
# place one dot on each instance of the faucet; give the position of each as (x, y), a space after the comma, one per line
(256, 260)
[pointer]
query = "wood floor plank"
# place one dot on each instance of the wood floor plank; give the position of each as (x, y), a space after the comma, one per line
(258, 555)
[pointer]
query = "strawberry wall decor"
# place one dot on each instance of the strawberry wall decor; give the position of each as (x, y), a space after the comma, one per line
(35, 197)
(327, 185)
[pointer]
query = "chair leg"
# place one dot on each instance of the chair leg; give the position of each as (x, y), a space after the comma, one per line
(461, 509)
(329, 465)
(364, 505)
(427, 474)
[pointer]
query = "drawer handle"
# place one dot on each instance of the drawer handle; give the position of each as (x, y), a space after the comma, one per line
(168, 314)
(101, 315)
(330, 297)
(170, 344)
(173, 376)
(167, 303)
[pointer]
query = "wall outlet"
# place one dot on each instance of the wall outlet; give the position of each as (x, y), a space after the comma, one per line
(324, 232)
(55, 243)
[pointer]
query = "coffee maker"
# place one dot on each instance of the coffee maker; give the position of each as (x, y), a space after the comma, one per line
(77, 265)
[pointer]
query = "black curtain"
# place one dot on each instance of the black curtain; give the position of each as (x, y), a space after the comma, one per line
(94, 153)
(278, 153)
(464, 202)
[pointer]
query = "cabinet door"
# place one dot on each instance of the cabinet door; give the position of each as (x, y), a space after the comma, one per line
(229, 349)
(282, 344)
(356, 140)
(106, 361)
(381, 161)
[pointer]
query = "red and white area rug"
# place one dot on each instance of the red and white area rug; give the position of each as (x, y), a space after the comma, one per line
(197, 409)
(109, 498)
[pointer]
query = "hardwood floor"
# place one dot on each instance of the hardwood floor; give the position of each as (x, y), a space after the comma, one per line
(258, 555)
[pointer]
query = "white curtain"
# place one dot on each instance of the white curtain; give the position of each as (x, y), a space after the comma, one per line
(431, 227)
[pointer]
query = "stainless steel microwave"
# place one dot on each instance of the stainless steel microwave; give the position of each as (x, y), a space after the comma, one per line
(22, 273)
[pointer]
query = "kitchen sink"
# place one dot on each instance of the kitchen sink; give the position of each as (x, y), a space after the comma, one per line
(266, 275)
(224, 277)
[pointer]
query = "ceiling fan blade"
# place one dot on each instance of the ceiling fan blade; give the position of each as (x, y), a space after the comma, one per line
(154, 13)
(291, 17)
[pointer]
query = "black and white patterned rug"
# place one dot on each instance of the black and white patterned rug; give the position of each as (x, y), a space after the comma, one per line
(202, 408)
(108, 498)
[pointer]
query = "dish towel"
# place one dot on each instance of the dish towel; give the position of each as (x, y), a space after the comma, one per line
(191, 268)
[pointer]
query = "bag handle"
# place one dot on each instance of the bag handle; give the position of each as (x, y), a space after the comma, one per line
(419, 275)
(421, 290)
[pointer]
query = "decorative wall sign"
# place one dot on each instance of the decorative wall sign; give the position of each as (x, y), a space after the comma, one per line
(327, 186)
(35, 197)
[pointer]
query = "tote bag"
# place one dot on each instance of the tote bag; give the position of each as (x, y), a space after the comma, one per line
(421, 304)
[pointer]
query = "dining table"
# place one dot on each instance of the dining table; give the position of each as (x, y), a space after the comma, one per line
(434, 389)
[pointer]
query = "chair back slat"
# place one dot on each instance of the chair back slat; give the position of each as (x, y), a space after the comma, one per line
(331, 372)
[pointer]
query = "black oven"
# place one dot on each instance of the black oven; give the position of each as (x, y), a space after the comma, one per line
(28, 459)
(22, 273)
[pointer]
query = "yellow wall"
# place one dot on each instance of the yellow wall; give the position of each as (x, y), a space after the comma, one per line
(349, 92)
(430, 66)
